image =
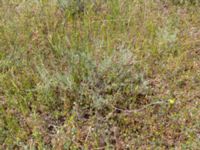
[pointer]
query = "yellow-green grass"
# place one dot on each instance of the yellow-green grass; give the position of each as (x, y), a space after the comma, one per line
(109, 74)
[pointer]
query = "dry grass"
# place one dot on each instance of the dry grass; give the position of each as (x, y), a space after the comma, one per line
(117, 74)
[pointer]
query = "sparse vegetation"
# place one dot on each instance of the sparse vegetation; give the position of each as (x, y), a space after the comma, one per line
(107, 74)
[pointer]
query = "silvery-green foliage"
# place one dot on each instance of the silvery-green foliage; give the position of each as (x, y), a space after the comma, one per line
(167, 36)
(115, 74)
(96, 83)
(74, 6)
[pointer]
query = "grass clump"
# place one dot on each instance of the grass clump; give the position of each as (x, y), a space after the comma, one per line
(99, 74)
